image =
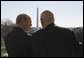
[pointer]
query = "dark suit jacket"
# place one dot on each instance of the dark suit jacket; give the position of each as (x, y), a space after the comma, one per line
(54, 41)
(18, 43)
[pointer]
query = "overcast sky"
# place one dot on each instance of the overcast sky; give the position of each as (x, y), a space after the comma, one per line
(66, 13)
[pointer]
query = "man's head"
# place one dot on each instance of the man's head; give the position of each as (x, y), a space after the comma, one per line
(47, 18)
(24, 21)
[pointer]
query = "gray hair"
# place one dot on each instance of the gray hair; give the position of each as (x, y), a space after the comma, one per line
(47, 15)
(20, 17)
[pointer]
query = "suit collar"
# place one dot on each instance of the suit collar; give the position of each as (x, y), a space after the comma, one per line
(50, 25)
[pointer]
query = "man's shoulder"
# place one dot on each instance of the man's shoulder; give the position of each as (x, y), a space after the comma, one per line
(38, 32)
(55, 29)
(16, 32)
(61, 29)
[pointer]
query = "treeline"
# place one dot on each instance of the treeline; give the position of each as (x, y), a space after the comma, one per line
(7, 26)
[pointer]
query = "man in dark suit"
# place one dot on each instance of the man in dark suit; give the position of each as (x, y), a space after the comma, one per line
(53, 41)
(17, 41)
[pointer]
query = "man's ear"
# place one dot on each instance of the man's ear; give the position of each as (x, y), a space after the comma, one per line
(53, 20)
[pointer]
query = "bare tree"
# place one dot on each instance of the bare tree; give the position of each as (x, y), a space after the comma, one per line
(6, 27)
